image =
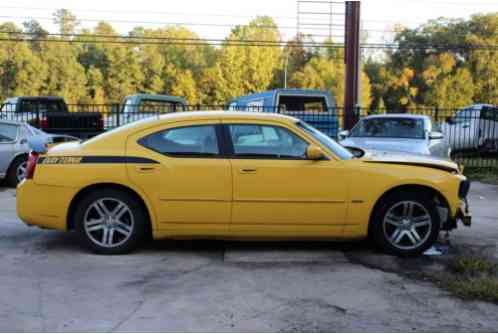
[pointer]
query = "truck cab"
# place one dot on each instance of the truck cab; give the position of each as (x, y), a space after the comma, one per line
(315, 107)
(52, 114)
(473, 128)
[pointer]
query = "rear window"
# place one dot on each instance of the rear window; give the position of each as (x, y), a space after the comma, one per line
(490, 113)
(303, 103)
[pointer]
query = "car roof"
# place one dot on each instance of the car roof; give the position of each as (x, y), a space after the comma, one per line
(412, 116)
(207, 115)
(35, 98)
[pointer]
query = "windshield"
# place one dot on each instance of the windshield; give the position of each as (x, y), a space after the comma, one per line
(326, 141)
(394, 127)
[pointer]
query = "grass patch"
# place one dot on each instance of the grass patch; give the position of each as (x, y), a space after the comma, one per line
(485, 175)
(473, 278)
(482, 288)
(472, 266)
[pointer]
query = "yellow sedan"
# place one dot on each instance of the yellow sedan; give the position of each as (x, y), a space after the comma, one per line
(231, 175)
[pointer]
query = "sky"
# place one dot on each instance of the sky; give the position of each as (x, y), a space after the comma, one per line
(214, 19)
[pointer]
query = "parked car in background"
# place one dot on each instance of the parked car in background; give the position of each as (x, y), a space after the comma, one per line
(473, 128)
(237, 175)
(140, 106)
(415, 134)
(51, 114)
(315, 107)
(14, 148)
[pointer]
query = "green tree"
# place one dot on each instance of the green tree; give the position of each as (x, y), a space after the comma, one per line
(21, 70)
(66, 76)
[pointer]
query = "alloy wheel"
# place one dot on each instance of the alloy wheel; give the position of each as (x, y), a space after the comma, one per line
(21, 171)
(407, 225)
(108, 222)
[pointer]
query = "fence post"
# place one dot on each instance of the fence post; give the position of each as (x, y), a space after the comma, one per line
(37, 110)
(117, 111)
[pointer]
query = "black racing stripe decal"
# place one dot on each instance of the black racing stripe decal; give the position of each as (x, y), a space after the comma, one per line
(74, 160)
(116, 160)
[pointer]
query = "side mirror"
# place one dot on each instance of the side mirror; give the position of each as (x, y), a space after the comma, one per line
(23, 141)
(314, 153)
(344, 134)
(435, 135)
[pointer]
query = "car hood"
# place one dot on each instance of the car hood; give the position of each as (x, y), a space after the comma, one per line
(387, 144)
(409, 160)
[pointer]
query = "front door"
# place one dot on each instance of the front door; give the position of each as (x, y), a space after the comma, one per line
(277, 192)
(191, 186)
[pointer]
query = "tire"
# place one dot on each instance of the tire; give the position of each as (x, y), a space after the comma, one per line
(393, 226)
(16, 171)
(106, 232)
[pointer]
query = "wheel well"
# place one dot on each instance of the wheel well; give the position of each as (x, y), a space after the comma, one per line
(425, 190)
(85, 191)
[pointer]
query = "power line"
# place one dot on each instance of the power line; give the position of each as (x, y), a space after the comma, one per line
(134, 12)
(146, 40)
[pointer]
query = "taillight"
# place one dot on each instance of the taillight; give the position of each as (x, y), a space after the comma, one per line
(32, 161)
(43, 123)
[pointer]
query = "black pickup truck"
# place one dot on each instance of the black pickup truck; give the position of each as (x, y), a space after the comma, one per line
(51, 114)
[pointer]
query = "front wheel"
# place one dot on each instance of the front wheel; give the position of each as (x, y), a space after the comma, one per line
(110, 221)
(406, 224)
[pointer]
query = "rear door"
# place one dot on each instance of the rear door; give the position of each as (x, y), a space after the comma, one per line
(191, 184)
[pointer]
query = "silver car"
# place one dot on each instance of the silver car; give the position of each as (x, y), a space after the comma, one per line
(415, 134)
(14, 148)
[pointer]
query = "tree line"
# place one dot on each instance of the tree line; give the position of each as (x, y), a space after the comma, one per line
(434, 65)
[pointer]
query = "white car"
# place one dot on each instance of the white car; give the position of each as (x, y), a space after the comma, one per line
(473, 128)
(14, 148)
(415, 134)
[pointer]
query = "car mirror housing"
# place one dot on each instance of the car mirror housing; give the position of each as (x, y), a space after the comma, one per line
(436, 135)
(314, 153)
(344, 134)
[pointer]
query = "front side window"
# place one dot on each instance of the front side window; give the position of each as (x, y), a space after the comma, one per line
(390, 128)
(253, 140)
(326, 141)
(195, 141)
(8, 133)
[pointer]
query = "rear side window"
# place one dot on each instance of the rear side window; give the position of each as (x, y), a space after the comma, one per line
(194, 141)
(8, 133)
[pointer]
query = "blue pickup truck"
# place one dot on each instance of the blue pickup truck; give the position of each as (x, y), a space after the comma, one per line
(315, 107)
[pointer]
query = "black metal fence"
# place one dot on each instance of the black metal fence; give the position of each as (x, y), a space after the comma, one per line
(471, 133)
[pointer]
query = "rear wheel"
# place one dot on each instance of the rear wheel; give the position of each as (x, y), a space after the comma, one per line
(17, 171)
(110, 221)
(406, 224)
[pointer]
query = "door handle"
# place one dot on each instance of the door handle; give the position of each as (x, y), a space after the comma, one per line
(146, 169)
(248, 171)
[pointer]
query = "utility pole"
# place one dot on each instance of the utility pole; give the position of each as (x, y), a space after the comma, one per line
(352, 61)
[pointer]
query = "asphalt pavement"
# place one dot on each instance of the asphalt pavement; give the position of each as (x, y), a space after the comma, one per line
(49, 284)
